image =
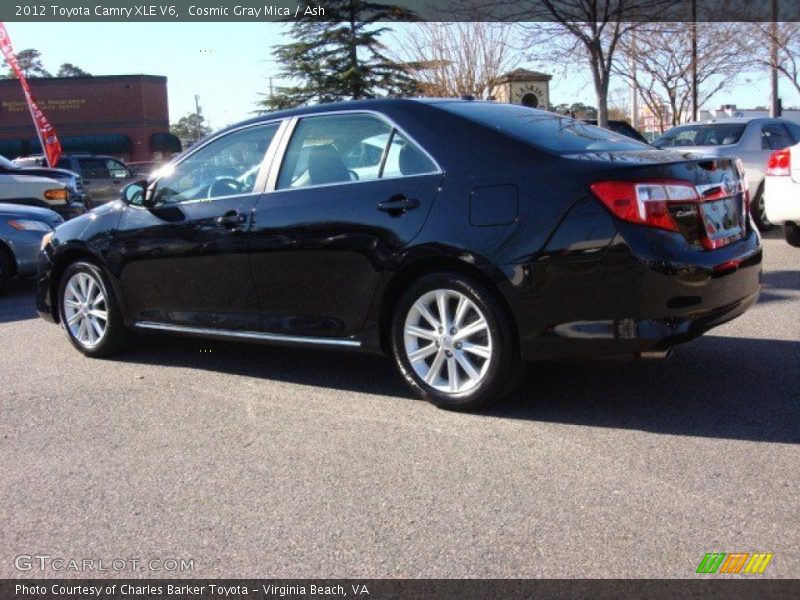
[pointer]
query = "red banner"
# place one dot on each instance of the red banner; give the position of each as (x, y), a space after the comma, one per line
(47, 134)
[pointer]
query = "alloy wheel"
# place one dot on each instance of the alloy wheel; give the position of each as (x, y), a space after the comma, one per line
(447, 341)
(85, 309)
(761, 207)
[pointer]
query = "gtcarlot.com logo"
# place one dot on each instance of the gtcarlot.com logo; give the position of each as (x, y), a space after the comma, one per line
(734, 562)
(45, 562)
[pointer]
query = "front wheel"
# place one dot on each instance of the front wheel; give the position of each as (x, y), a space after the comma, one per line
(453, 342)
(89, 312)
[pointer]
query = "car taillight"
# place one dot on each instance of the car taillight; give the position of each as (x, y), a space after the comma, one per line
(646, 202)
(780, 162)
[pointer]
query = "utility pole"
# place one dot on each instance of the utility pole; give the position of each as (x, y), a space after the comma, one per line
(775, 103)
(634, 93)
(197, 108)
(695, 108)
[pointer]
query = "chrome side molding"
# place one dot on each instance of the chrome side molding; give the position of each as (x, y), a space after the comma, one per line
(247, 335)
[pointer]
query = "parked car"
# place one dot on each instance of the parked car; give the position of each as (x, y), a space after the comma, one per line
(751, 140)
(782, 192)
(71, 180)
(102, 176)
(518, 235)
(622, 128)
(31, 190)
(21, 231)
(144, 168)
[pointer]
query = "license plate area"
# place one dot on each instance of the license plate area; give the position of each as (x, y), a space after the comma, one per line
(722, 221)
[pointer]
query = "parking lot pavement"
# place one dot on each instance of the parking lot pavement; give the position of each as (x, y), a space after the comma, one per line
(261, 461)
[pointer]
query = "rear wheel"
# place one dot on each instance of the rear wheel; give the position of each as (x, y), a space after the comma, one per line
(453, 342)
(89, 311)
(791, 231)
(759, 210)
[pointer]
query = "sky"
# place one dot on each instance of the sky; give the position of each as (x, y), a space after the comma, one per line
(229, 64)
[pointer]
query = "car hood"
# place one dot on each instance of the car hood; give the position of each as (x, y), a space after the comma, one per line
(32, 212)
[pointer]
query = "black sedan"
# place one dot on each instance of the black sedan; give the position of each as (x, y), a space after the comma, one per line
(460, 237)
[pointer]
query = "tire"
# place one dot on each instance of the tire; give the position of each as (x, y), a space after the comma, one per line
(759, 211)
(82, 279)
(485, 373)
(791, 231)
(6, 268)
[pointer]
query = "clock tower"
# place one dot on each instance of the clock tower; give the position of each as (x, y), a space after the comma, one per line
(525, 87)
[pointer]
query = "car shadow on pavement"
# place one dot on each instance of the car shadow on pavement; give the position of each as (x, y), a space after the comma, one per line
(778, 286)
(719, 387)
(17, 302)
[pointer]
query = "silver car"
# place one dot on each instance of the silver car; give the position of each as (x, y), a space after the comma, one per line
(102, 176)
(751, 140)
(21, 232)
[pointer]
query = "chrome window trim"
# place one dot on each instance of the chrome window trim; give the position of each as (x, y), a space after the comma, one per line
(247, 335)
(264, 165)
(281, 154)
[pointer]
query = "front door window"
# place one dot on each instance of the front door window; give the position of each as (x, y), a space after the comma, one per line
(228, 166)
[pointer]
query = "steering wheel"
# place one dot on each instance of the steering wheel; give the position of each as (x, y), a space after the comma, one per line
(224, 186)
(353, 175)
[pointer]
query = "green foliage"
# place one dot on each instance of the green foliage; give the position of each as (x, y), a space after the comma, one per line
(578, 109)
(340, 60)
(70, 70)
(30, 63)
(190, 128)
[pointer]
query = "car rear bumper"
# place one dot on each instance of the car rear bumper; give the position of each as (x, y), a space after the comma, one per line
(782, 200)
(646, 292)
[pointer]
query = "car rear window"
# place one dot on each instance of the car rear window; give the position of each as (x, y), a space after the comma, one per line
(713, 134)
(545, 130)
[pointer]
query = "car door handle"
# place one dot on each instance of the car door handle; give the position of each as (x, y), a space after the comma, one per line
(230, 219)
(398, 205)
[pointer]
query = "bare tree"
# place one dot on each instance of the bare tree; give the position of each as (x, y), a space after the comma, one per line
(589, 30)
(657, 60)
(454, 59)
(786, 58)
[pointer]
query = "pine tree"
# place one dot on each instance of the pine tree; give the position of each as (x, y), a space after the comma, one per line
(341, 58)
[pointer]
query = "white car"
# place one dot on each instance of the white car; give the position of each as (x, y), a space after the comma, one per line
(30, 190)
(782, 191)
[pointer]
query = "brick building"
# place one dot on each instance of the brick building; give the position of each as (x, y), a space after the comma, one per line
(122, 115)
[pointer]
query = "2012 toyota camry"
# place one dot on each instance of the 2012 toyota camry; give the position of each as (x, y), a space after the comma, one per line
(460, 237)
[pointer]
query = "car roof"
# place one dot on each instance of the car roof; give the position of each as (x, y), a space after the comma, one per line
(349, 105)
(742, 120)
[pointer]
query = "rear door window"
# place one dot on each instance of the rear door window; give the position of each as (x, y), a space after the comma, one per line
(93, 168)
(794, 132)
(774, 136)
(712, 134)
(331, 149)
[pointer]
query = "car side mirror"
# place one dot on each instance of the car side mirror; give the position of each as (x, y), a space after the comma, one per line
(135, 193)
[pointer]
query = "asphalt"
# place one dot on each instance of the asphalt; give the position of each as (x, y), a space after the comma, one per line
(267, 462)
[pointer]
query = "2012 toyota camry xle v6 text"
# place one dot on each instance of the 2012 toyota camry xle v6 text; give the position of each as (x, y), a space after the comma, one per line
(460, 237)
